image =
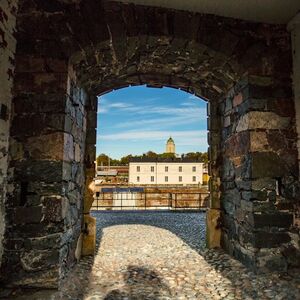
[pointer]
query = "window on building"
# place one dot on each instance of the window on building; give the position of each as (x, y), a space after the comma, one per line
(166, 169)
(194, 169)
(194, 178)
(138, 168)
(97, 194)
(166, 178)
(180, 178)
(138, 179)
(152, 178)
(180, 169)
(152, 169)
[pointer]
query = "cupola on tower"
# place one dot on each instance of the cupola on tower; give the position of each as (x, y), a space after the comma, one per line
(170, 146)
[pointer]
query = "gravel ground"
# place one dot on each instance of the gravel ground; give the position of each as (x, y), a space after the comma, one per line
(161, 255)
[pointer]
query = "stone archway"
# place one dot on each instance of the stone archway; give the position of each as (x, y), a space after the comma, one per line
(241, 68)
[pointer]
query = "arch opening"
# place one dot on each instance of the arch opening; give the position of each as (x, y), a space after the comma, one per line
(141, 124)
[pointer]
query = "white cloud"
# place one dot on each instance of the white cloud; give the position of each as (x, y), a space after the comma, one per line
(182, 138)
(155, 116)
(164, 116)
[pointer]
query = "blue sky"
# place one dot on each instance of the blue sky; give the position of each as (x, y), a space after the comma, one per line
(137, 119)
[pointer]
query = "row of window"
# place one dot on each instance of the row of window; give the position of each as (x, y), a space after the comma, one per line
(166, 178)
(138, 169)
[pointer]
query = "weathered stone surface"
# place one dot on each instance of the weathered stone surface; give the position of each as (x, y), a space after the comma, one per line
(213, 235)
(48, 278)
(262, 120)
(259, 141)
(281, 220)
(89, 236)
(36, 260)
(238, 144)
(267, 164)
(50, 241)
(258, 154)
(54, 208)
(28, 214)
(47, 171)
(7, 65)
(48, 146)
(238, 99)
(269, 240)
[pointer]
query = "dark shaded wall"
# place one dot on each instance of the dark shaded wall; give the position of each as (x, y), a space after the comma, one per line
(8, 11)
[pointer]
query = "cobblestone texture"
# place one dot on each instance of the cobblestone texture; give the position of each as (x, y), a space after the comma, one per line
(148, 255)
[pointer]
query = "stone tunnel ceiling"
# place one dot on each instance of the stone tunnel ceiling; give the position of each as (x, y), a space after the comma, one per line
(267, 11)
(183, 50)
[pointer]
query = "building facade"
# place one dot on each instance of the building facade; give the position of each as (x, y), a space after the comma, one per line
(147, 171)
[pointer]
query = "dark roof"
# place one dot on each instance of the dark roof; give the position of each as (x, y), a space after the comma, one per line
(170, 140)
(169, 160)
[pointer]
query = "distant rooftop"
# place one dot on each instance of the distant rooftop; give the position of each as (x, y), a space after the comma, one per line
(159, 159)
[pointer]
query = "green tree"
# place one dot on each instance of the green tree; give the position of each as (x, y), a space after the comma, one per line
(151, 154)
(167, 155)
(204, 157)
(125, 160)
(102, 159)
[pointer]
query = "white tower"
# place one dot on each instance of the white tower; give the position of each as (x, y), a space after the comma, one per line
(170, 146)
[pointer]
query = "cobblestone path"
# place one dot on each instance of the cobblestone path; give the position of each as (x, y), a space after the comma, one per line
(147, 255)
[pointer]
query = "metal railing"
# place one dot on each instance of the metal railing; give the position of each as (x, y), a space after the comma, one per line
(150, 200)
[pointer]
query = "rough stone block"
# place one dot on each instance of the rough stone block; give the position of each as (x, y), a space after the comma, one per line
(27, 214)
(259, 141)
(245, 255)
(37, 124)
(262, 120)
(213, 230)
(46, 171)
(263, 239)
(89, 236)
(282, 106)
(255, 195)
(267, 164)
(55, 208)
(272, 261)
(49, 146)
(238, 99)
(264, 184)
(281, 220)
(50, 241)
(48, 278)
(51, 103)
(36, 260)
(68, 147)
(238, 144)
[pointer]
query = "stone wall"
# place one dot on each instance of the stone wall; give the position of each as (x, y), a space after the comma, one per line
(294, 28)
(44, 211)
(259, 174)
(8, 10)
(68, 52)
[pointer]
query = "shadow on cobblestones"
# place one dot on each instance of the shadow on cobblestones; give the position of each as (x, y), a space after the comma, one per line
(161, 256)
(188, 226)
(141, 283)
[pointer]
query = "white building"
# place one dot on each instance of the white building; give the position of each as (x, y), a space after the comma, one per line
(165, 171)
